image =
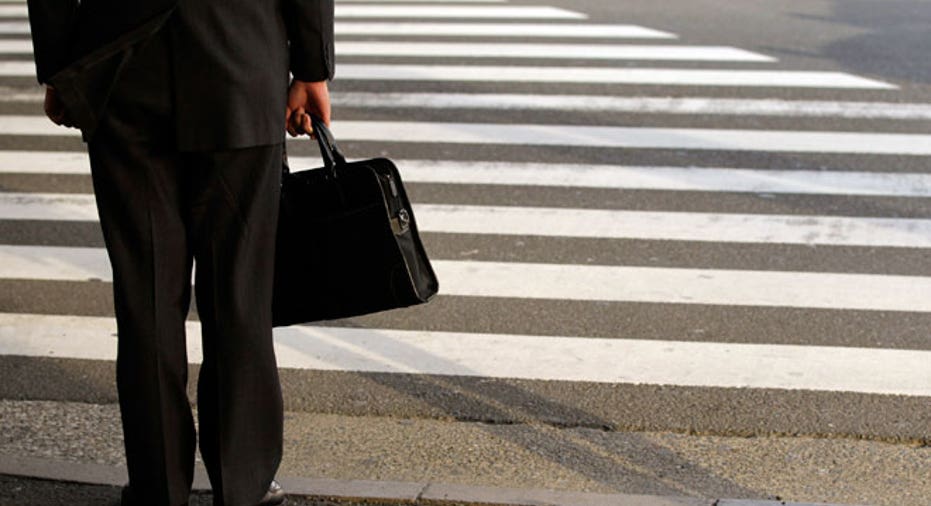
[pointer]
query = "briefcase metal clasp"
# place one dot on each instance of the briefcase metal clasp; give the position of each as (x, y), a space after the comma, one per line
(401, 222)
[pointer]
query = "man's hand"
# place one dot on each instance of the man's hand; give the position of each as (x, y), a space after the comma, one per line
(306, 98)
(55, 109)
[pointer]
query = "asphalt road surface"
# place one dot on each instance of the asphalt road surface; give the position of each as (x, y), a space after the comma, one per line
(677, 216)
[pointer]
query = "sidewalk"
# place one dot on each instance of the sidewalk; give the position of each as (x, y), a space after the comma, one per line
(49, 483)
(426, 461)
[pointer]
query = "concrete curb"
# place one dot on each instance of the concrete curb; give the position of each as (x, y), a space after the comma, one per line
(750, 502)
(401, 493)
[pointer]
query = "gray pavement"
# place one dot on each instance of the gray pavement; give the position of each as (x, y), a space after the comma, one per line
(527, 456)
(37, 492)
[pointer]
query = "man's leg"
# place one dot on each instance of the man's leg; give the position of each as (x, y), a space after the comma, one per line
(234, 224)
(139, 199)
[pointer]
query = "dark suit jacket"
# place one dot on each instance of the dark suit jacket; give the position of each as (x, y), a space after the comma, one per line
(230, 59)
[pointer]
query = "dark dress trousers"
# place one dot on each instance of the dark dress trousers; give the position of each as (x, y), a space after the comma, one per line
(182, 106)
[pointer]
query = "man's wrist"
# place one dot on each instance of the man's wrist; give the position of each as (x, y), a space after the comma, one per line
(311, 83)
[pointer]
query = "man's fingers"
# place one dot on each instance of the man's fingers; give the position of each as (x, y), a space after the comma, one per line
(309, 126)
(58, 114)
(290, 123)
(56, 117)
(53, 107)
(298, 121)
(287, 120)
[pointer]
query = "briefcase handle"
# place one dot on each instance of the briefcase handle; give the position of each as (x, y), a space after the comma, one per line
(331, 154)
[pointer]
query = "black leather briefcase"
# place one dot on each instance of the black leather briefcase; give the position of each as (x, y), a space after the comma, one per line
(347, 241)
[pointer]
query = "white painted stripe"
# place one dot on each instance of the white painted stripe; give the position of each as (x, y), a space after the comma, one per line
(54, 263)
(17, 69)
(604, 103)
(47, 206)
(553, 358)
(14, 11)
(629, 137)
(682, 226)
(868, 292)
(555, 51)
(582, 136)
(423, 1)
(16, 46)
(549, 30)
(44, 162)
(411, 11)
(512, 50)
(33, 125)
(591, 223)
(637, 105)
(578, 75)
(431, 29)
(685, 286)
(445, 11)
(14, 27)
(659, 178)
(653, 76)
(572, 175)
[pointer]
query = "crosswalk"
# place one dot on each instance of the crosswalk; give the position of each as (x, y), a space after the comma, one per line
(574, 75)
(417, 11)
(526, 357)
(600, 223)
(514, 169)
(588, 136)
(576, 282)
(512, 50)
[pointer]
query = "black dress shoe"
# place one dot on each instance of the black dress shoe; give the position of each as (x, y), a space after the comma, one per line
(274, 496)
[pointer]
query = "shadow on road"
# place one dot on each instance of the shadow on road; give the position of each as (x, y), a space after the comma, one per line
(896, 43)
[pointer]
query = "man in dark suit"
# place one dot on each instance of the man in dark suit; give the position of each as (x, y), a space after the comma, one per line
(183, 105)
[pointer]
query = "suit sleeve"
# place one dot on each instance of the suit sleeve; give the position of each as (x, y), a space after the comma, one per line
(310, 36)
(52, 23)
